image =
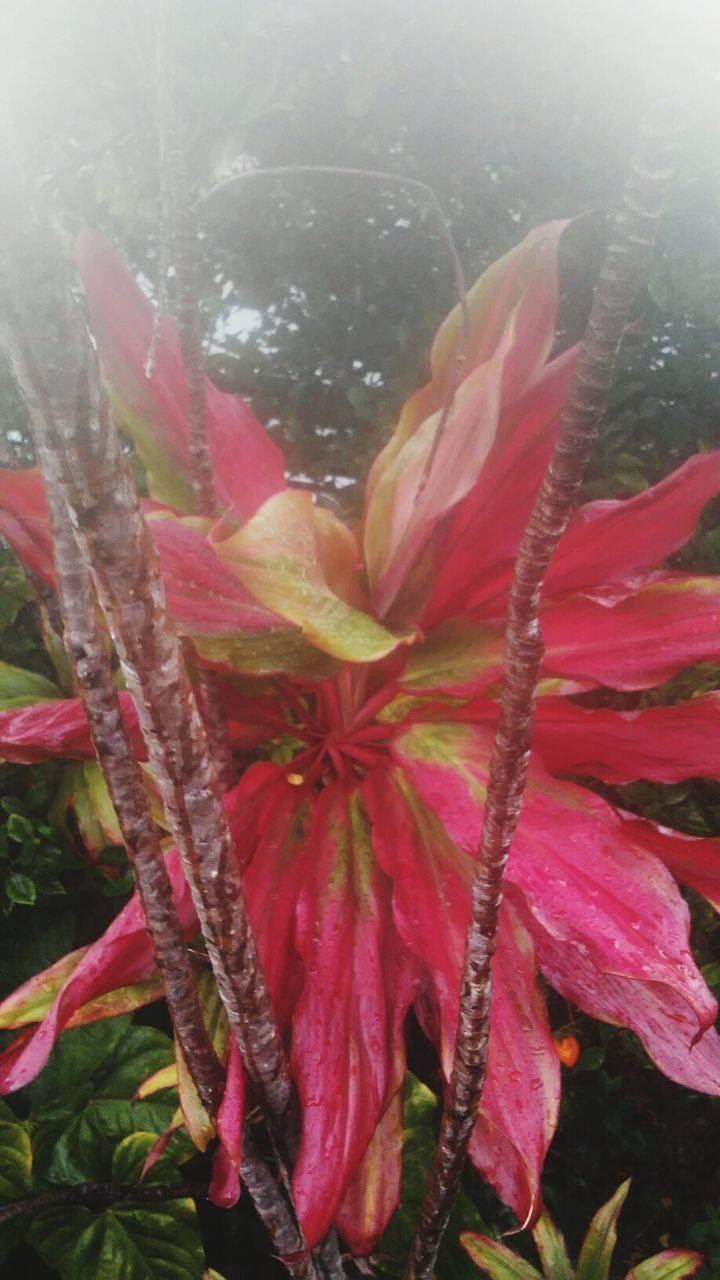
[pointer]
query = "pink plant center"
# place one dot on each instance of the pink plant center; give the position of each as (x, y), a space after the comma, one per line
(340, 737)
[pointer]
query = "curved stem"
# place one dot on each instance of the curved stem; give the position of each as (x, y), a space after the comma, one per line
(100, 1195)
(623, 272)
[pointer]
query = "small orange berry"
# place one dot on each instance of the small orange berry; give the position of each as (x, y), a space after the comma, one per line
(295, 779)
(568, 1050)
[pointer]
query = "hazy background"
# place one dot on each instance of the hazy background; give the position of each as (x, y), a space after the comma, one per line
(321, 294)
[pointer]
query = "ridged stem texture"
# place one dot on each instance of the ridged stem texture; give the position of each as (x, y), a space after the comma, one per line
(182, 250)
(180, 234)
(623, 272)
(88, 651)
(81, 440)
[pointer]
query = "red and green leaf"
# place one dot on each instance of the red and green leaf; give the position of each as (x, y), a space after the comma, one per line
(633, 642)
(599, 1243)
(671, 1264)
(357, 987)
(374, 1191)
(57, 729)
(248, 467)
(585, 881)
(431, 907)
(301, 562)
(419, 478)
(122, 958)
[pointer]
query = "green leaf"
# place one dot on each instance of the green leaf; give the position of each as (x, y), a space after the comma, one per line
(74, 1060)
(110, 1059)
(551, 1247)
(15, 1161)
(45, 935)
(84, 786)
(129, 1161)
(19, 828)
(672, 1264)
(20, 688)
(20, 889)
(166, 474)
(421, 1111)
(592, 1059)
(157, 1242)
(259, 653)
(459, 656)
(301, 561)
(85, 1150)
(597, 1250)
(499, 1262)
(14, 593)
(15, 1178)
(135, 1056)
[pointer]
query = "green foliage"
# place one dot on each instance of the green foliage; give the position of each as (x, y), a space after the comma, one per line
(84, 1126)
(15, 1173)
(501, 1263)
(125, 1242)
(14, 591)
(21, 688)
(705, 1235)
(599, 1244)
(33, 853)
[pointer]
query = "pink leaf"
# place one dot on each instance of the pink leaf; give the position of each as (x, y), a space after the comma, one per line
(521, 1097)
(692, 860)
(247, 466)
(633, 639)
(658, 1014)
(24, 520)
(275, 844)
(613, 541)
(355, 992)
(225, 1185)
(513, 310)
(670, 623)
(606, 542)
(660, 744)
(121, 957)
(585, 881)
(57, 729)
(202, 594)
(431, 907)
(495, 511)
(374, 1191)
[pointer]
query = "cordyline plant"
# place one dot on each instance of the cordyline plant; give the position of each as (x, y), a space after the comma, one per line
(335, 883)
(500, 1263)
